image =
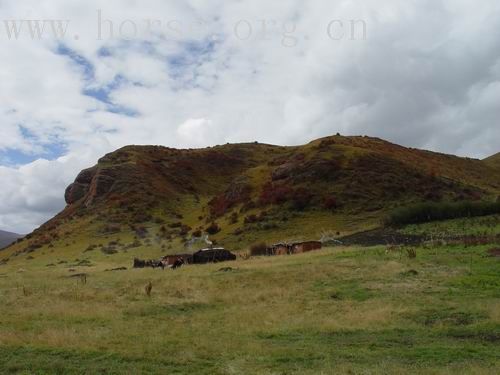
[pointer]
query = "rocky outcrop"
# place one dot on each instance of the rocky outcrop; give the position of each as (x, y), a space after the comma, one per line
(80, 188)
(75, 192)
(89, 184)
(100, 186)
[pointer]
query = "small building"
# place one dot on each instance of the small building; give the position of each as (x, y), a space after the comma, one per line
(304, 247)
(212, 255)
(278, 249)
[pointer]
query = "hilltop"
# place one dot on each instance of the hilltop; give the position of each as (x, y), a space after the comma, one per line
(153, 200)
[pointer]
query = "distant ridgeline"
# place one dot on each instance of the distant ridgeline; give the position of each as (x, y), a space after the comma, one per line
(7, 238)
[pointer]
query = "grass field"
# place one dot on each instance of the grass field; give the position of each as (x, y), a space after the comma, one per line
(336, 311)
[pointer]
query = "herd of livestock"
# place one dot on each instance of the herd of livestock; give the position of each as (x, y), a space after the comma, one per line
(219, 254)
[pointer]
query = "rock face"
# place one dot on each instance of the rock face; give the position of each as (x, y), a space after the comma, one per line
(80, 188)
(90, 184)
(75, 192)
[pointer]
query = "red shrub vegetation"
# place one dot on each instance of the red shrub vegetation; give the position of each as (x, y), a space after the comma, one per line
(301, 198)
(330, 203)
(275, 193)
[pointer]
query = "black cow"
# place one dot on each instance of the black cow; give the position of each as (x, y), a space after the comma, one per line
(178, 263)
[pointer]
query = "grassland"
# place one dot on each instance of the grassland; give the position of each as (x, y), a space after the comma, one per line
(336, 311)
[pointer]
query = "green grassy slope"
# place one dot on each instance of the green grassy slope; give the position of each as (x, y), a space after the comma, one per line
(336, 311)
(145, 200)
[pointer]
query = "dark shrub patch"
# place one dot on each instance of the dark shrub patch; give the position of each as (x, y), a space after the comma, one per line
(110, 229)
(427, 212)
(185, 229)
(141, 232)
(301, 198)
(109, 250)
(213, 228)
(330, 203)
(275, 193)
(141, 217)
(250, 219)
(233, 219)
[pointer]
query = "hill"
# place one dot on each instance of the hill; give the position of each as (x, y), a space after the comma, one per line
(152, 200)
(6, 238)
(493, 161)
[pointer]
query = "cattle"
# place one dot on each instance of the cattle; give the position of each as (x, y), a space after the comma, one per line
(178, 263)
(210, 255)
(293, 248)
(169, 260)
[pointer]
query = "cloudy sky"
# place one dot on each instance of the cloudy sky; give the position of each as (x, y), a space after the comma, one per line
(98, 75)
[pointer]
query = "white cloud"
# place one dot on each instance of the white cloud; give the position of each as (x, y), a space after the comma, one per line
(197, 133)
(427, 76)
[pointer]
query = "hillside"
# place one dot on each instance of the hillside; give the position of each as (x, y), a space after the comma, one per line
(493, 161)
(6, 238)
(152, 200)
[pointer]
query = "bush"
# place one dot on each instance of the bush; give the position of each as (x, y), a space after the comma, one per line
(427, 212)
(233, 219)
(141, 217)
(330, 203)
(185, 229)
(213, 229)
(250, 219)
(141, 231)
(301, 199)
(110, 229)
(274, 193)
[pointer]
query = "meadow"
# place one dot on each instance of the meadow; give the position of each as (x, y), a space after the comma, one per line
(336, 311)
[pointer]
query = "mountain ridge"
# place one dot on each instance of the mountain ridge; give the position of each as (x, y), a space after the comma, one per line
(7, 238)
(154, 197)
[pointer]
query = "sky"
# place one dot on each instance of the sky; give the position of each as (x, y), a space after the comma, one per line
(98, 75)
